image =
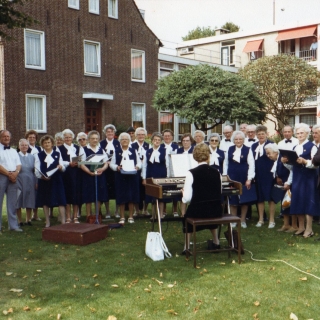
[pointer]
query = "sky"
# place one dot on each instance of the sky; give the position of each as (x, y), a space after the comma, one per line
(172, 19)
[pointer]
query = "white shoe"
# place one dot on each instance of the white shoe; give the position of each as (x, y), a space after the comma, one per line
(243, 225)
(116, 215)
(146, 213)
(233, 225)
(271, 225)
(131, 220)
(18, 230)
(108, 216)
(122, 221)
(259, 224)
(135, 214)
(176, 214)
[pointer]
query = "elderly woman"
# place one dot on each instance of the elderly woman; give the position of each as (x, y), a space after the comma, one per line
(187, 144)
(58, 138)
(199, 136)
(82, 139)
(49, 168)
(71, 180)
(156, 166)
(264, 176)
(141, 146)
(202, 189)
(27, 182)
(89, 192)
(282, 177)
(127, 185)
(216, 155)
(239, 166)
(110, 146)
(305, 195)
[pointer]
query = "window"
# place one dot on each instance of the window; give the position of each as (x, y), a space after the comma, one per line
(34, 52)
(94, 6)
(92, 65)
(184, 127)
(36, 112)
(309, 119)
(137, 65)
(74, 4)
(113, 9)
(138, 115)
(166, 121)
(165, 69)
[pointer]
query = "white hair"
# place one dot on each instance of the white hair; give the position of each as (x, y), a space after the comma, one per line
(228, 127)
(288, 126)
(140, 129)
(253, 127)
(124, 135)
(58, 135)
(81, 134)
(67, 131)
(23, 140)
(272, 146)
(199, 131)
(237, 133)
(109, 126)
(302, 126)
(316, 126)
(214, 135)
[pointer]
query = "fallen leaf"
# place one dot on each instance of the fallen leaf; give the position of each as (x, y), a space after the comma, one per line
(255, 316)
(32, 296)
(161, 275)
(97, 285)
(5, 312)
(114, 286)
(58, 316)
(205, 270)
(172, 312)
(24, 277)
(39, 271)
(37, 309)
(26, 308)
(222, 263)
(112, 318)
(215, 298)
(257, 303)
(303, 279)
(30, 251)
(94, 276)
(147, 290)
(16, 290)
(170, 285)
(233, 261)
(293, 316)
(10, 310)
(197, 267)
(9, 273)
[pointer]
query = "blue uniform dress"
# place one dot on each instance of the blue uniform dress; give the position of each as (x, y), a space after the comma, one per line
(305, 196)
(181, 150)
(127, 185)
(71, 177)
(220, 159)
(50, 192)
(238, 171)
(89, 185)
(156, 169)
(264, 176)
(109, 173)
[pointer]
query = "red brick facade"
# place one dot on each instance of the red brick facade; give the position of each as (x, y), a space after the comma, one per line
(63, 81)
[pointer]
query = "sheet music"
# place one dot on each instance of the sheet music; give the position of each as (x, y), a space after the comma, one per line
(182, 163)
(96, 158)
(128, 165)
(51, 172)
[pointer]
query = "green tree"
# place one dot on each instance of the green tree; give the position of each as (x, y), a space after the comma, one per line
(198, 33)
(208, 96)
(283, 82)
(231, 27)
(12, 17)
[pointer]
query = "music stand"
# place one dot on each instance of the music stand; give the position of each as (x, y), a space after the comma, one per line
(95, 166)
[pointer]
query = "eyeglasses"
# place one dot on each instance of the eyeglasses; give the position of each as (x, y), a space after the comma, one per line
(214, 140)
(186, 140)
(82, 139)
(227, 132)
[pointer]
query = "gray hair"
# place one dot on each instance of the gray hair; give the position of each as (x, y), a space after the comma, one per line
(199, 131)
(140, 129)
(316, 126)
(156, 134)
(237, 133)
(81, 134)
(288, 126)
(124, 135)
(303, 126)
(214, 135)
(228, 127)
(58, 135)
(23, 140)
(67, 131)
(92, 133)
(272, 146)
(109, 126)
(253, 127)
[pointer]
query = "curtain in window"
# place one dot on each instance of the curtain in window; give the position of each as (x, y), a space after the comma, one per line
(112, 8)
(34, 113)
(94, 5)
(184, 126)
(138, 115)
(136, 65)
(166, 121)
(309, 119)
(225, 56)
(91, 58)
(73, 3)
(33, 49)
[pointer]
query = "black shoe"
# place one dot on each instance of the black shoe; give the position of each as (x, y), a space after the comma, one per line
(184, 252)
(213, 246)
(280, 216)
(21, 224)
(29, 223)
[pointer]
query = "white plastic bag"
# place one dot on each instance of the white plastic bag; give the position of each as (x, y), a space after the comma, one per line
(286, 202)
(156, 248)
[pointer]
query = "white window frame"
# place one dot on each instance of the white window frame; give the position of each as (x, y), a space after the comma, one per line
(42, 50)
(74, 6)
(98, 45)
(143, 112)
(143, 65)
(98, 5)
(110, 6)
(44, 113)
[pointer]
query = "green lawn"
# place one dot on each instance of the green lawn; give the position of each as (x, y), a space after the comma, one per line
(114, 277)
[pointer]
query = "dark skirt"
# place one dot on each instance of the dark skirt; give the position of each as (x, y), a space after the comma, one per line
(110, 180)
(127, 188)
(89, 188)
(72, 186)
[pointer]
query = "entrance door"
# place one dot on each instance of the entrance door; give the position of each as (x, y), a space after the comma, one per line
(93, 115)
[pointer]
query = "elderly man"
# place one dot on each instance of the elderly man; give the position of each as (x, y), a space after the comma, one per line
(250, 135)
(289, 141)
(225, 143)
(243, 128)
(316, 134)
(10, 167)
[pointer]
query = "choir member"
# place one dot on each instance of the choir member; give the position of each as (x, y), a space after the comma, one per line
(92, 189)
(50, 185)
(243, 128)
(199, 136)
(71, 179)
(187, 144)
(127, 185)
(289, 141)
(27, 182)
(58, 138)
(239, 166)
(264, 176)
(216, 155)
(131, 131)
(250, 135)
(82, 139)
(225, 143)
(110, 145)
(316, 134)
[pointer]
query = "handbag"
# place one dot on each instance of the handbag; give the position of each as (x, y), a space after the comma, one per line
(156, 248)
(286, 202)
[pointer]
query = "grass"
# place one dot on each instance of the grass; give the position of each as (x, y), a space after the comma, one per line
(77, 282)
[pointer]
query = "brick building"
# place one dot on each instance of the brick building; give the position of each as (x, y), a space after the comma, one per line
(87, 63)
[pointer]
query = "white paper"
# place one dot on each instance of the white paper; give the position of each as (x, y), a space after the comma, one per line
(51, 172)
(128, 165)
(96, 158)
(182, 163)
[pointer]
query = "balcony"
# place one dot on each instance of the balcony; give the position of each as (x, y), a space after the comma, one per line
(307, 55)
